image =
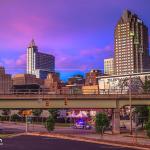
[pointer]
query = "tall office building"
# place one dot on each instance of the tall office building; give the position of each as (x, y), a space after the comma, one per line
(109, 66)
(39, 64)
(131, 45)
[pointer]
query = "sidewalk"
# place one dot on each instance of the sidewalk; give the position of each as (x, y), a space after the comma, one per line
(122, 140)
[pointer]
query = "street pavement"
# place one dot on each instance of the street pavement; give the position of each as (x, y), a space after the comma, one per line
(79, 133)
(25, 142)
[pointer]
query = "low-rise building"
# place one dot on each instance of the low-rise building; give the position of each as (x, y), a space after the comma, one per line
(76, 80)
(120, 84)
(24, 79)
(92, 89)
(5, 81)
(52, 83)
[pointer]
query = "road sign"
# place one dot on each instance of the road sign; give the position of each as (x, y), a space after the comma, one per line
(27, 112)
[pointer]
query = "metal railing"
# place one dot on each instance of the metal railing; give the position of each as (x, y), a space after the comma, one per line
(71, 92)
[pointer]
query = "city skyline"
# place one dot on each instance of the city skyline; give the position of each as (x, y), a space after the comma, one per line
(79, 41)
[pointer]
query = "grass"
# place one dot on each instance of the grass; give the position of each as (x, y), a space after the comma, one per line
(63, 124)
(4, 135)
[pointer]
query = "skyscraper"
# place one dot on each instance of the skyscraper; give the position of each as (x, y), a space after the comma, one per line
(39, 64)
(131, 45)
(109, 66)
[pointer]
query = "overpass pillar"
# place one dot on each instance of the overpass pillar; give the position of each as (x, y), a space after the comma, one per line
(116, 121)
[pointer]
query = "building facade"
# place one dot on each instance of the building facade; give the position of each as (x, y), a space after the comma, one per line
(39, 64)
(120, 84)
(52, 83)
(109, 66)
(26, 79)
(91, 77)
(5, 82)
(131, 45)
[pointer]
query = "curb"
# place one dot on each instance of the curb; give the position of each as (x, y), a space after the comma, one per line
(91, 140)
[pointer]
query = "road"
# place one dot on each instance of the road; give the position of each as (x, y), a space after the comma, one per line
(40, 128)
(44, 143)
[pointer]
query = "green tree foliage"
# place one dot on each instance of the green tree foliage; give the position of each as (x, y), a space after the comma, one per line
(15, 117)
(54, 113)
(147, 127)
(102, 122)
(37, 112)
(6, 112)
(142, 113)
(50, 124)
(146, 86)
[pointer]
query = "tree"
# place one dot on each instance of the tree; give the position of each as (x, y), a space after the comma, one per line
(102, 122)
(146, 86)
(6, 112)
(147, 127)
(15, 117)
(37, 112)
(142, 113)
(54, 113)
(50, 123)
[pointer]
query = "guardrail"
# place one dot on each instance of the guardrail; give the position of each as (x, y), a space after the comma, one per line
(71, 92)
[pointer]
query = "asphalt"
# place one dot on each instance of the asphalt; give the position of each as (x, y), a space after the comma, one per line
(26, 142)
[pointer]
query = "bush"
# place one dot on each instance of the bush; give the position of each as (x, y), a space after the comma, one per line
(15, 117)
(50, 123)
(148, 128)
(37, 112)
(102, 122)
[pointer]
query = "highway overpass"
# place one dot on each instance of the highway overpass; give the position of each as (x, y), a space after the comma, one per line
(70, 101)
(46, 101)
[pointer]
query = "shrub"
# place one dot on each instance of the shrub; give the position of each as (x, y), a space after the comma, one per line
(102, 122)
(50, 123)
(15, 117)
(148, 128)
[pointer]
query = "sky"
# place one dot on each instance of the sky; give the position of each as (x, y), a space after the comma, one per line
(79, 33)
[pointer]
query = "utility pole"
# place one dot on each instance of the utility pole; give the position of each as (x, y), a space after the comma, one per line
(130, 101)
(26, 124)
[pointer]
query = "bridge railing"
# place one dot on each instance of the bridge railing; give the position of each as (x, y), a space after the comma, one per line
(71, 92)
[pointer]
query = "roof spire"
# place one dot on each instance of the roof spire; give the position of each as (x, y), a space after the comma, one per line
(32, 43)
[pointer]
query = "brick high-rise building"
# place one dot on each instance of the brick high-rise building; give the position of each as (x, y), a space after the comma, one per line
(131, 45)
(91, 77)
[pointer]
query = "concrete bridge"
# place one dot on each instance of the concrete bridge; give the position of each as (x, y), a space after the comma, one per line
(45, 101)
(71, 101)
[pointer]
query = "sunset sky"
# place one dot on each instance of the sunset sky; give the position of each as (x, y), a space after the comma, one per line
(79, 33)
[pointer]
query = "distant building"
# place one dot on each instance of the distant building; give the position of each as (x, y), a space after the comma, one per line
(131, 45)
(26, 79)
(119, 84)
(39, 64)
(109, 66)
(76, 80)
(91, 77)
(52, 83)
(5, 81)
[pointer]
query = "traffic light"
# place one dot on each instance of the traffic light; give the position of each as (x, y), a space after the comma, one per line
(65, 102)
(47, 103)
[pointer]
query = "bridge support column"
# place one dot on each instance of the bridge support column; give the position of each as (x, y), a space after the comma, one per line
(116, 121)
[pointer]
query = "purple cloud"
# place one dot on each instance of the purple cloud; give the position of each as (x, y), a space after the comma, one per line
(78, 32)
